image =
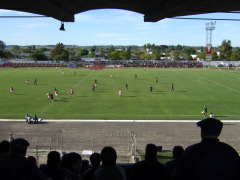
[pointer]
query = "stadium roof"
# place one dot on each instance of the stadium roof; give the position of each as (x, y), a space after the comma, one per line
(153, 10)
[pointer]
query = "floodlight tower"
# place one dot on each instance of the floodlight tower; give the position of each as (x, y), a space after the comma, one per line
(209, 27)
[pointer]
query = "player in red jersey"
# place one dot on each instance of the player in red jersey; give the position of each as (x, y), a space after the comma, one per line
(120, 92)
(11, 90)
(72, 92)
(26, 81)
(48, 94)
(56, 93)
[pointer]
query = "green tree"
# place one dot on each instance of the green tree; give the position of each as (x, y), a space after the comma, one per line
(149, 47)
(111, 49)
(115, 55)
(57, 50)
(157, 54)
(23, 50)
(214, 56)
(16, 49)
(2, 46)
(176, 55)
(138, 53)
(82, 52)
(38, 56)
(129, 49)
(65, 55)
(8, 55)
(226, 49)
(235, 56)
(124, 55)
(228, 55)
(179, 47)
(202, 55)
(29, 49)
(171, 48)
(145, 47)
(43, 49)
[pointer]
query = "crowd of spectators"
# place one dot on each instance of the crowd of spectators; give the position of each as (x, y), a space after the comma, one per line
(103, 62)
(206, 160)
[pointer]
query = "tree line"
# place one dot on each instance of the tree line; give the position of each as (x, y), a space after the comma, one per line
(146, 52)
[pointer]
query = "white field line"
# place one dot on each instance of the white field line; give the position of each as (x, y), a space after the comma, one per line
(201, 81)
(218, 83)
(120, 121)
(67, 92)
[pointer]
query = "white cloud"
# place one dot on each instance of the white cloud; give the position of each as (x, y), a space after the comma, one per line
(131, 39)
(110, 35)
(33, 25)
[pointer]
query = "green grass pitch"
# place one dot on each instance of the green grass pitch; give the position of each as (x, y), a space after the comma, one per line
(219, 90)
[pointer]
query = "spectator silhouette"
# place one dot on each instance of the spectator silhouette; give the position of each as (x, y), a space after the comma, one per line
(170, 165)
(85, 166)
(17, 166)
(109, 170)
(127, 171)
(32, 159)
(4, 149)
(53, 169)
(74, 166)
(209, 159)
(95, 161)
(149, 168)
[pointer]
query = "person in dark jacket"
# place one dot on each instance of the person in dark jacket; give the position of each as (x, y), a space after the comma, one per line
(53, 169)
(149, 168)
(209, 159)
(170, 165)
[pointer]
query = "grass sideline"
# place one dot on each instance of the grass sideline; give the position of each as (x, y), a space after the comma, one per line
(217, 88)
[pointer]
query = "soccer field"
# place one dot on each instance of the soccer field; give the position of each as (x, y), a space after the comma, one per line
(194, 88)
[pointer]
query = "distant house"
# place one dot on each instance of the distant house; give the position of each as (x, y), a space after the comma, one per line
(194, 56)
(97, 53)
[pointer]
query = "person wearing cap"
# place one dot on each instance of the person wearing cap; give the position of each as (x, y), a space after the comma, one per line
(17, 166)
(209, 159)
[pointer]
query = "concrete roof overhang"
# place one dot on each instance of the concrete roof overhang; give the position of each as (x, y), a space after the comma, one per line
(153, 10)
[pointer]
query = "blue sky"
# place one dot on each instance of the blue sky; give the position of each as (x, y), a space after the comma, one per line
(117, 27)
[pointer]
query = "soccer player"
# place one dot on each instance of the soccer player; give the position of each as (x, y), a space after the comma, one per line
(93, 88)
(135, 76)
(72, 92)
(95, 85)
(111, 75)
(11, 90)
(150, 88)
(26, 81)
(172, 88)
(63, 73)
(120, 92)
(95, 80)
(205, 111)
(35, 81)
(127, 87)
(49, 95)
(156, 80)
(56, 93)
(74, 73)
